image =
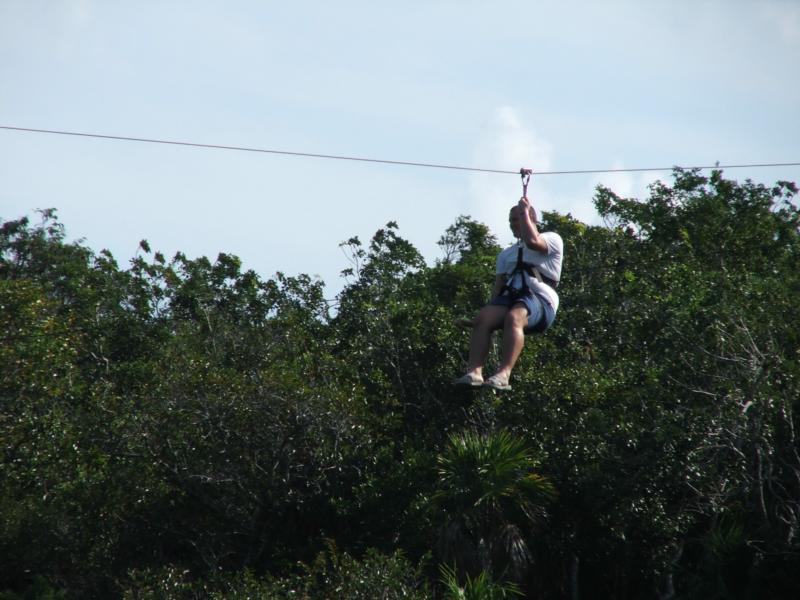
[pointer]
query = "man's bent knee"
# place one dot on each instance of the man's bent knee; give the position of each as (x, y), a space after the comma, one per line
(517, 317)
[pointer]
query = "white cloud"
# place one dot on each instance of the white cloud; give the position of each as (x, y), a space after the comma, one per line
(785, 17)
(507, 144)
(81, 11)
(624, 184)
(511, 142)
(576, 193)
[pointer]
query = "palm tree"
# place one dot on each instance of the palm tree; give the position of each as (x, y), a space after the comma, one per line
(480, 587)
(491, 498)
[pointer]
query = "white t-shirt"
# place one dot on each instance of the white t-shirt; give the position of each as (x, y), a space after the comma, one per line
(549, 264)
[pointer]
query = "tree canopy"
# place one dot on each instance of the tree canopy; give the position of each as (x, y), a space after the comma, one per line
(184, 428)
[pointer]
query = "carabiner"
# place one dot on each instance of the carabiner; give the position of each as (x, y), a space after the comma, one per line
(525, 174)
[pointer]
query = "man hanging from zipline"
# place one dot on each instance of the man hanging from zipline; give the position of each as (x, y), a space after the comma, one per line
(524, 298)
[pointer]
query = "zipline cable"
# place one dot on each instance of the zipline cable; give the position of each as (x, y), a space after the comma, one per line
(384, 161)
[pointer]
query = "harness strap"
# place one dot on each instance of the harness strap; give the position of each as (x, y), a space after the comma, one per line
(534, 271)
(536, 274)
(520, 268)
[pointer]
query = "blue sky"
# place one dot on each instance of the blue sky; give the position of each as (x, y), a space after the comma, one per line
(499, 85)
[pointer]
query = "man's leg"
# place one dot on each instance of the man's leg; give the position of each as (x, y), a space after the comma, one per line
(513, 339)
(490, 317)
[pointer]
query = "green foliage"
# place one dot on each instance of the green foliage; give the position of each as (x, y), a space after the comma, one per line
(488, 472)
(468, 242)
(184, 412)
(39, 589)
(330, 575)
(481, 587)
(339, 575)
(491, 497)
(660, 400)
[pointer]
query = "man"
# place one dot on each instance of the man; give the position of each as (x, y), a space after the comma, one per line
(524, 297)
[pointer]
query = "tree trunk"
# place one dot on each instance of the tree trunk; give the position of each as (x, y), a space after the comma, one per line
(574, 566)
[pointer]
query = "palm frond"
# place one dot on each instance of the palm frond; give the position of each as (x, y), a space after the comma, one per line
(480, 470)
(480, 587)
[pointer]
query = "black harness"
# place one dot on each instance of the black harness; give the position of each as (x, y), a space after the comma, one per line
(522, 268)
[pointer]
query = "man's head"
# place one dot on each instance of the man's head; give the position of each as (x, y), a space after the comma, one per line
(513, 218)
(531, 211)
